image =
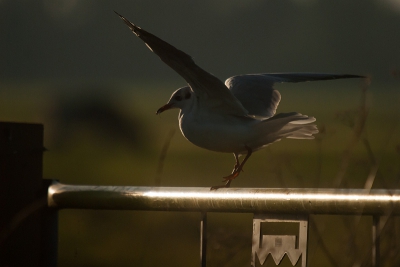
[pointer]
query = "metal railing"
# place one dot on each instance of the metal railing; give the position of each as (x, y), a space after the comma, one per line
(243, 200)
(24, 190)
(274, 204)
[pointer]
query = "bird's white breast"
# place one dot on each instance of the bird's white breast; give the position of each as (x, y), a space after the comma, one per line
(216, 132)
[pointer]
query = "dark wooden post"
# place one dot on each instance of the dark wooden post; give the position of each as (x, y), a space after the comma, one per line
(25, 222)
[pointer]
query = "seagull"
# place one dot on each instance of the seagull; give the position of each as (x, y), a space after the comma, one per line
(237, 116)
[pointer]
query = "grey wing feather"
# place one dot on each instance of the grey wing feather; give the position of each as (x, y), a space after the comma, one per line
(204, 84)
(305, 76)
(256, 92)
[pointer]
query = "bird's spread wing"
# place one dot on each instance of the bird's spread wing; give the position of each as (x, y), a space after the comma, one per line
(256, 93)
(306, 76)
(205, 85)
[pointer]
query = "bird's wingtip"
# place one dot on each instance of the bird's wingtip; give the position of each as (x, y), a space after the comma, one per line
(358, 76)
(131, 26)
(119, 15)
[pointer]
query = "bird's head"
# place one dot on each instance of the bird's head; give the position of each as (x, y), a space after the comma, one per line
(179, 99)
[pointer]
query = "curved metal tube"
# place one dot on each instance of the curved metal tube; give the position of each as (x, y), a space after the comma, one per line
(242, 200)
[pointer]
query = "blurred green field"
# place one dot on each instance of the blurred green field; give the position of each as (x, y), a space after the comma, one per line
(86, 151)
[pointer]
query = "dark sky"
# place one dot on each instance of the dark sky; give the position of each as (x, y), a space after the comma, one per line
(85, 41)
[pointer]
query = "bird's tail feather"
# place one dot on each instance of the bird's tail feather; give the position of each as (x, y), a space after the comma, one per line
(286, 125)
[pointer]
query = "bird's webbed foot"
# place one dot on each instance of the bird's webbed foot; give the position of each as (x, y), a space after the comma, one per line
(237, 169)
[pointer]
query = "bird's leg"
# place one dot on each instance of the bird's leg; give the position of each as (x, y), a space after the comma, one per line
(238, 166)
(236, 170)
(237, 163)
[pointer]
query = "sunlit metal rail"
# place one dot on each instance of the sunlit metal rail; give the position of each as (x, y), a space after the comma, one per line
(274, 204)
(241, 200)
(25, 216)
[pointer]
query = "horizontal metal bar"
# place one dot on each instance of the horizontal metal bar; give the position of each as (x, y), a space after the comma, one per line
(244, 200)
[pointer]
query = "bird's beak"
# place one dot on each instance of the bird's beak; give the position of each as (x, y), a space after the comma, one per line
(163, 108)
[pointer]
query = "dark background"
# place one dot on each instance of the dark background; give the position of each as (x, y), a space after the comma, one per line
(76, 68)
(84, 40)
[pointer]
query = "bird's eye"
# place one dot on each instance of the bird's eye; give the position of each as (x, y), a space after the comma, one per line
(178, 98)
(187, 96)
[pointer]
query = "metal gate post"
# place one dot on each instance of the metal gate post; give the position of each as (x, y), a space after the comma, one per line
(376, 232)
(293, 246)
(203, 239)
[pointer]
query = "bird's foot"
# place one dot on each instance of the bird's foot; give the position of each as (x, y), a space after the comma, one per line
(226, 185)
(237, 169)
(227, 179)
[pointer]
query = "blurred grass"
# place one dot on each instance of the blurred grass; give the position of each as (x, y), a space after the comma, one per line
(88, 155)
